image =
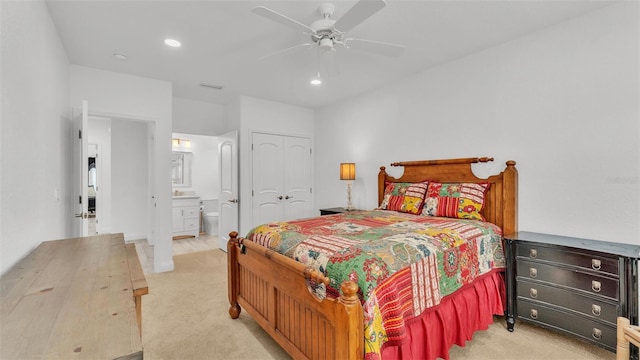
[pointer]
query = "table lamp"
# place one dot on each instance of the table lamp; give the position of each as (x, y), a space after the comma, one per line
(348, 173)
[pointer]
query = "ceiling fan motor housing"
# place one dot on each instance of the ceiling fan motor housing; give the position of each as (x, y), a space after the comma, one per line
(325, 35)
(326, 10)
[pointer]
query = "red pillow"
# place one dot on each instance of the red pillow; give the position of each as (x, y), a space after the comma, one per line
(455, 200)
(404, 197)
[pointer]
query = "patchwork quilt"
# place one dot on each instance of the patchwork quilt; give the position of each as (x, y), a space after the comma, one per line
(403, 264)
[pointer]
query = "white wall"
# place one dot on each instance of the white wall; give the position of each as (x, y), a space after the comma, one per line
(268, 116)
(198, 117)
(137, 98)
(562, 102)
(205, 181)
(36, 152)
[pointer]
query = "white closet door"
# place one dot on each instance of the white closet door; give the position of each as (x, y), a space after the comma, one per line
(267, 170)
(297, 178)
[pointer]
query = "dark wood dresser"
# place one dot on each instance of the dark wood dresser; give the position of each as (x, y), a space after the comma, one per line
(575, 286)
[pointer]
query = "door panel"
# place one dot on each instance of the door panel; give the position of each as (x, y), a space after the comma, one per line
(228, 197)
(177, 220)
(267, 168)
(151, 181)
(297, 178)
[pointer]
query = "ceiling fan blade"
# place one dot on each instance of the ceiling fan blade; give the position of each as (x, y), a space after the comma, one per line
(362, 10)
(375, 47)
(282, 19)
(287, 50)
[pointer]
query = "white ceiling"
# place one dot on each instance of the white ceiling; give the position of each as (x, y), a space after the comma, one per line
(222, 42)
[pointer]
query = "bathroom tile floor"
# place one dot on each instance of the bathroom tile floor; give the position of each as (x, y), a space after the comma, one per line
(182, 246)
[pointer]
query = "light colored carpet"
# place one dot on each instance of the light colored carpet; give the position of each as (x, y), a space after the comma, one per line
(185, 316)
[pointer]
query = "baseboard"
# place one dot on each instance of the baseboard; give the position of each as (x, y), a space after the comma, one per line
(222, 244)
(164, 267)
(134, 237)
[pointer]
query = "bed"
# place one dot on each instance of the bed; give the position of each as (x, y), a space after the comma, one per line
(300, 283)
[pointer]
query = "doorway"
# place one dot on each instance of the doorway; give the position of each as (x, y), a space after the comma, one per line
(119, 165)
(92, 191)
(195, 173)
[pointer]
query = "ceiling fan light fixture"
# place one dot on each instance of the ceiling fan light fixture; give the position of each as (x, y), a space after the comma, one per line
(326, 45)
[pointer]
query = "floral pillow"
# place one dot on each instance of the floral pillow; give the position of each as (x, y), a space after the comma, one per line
(404, 197)
(455, 200)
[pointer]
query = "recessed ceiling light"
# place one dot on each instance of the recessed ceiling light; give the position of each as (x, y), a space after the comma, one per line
(120, 56)
(172, 42)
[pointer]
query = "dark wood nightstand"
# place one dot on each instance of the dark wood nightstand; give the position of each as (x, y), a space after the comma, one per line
(335, 210)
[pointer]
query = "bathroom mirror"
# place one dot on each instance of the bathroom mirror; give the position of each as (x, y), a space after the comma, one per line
(181, 169)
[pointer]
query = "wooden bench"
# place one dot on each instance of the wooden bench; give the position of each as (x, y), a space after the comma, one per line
(78, 297)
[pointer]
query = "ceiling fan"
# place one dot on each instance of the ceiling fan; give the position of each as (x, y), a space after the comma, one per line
(328, 33)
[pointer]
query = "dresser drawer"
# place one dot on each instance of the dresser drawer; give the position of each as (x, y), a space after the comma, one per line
(568, 277)
(191, 224)
(589, 306)
(585, 260)
(590, 330)
(191, 212)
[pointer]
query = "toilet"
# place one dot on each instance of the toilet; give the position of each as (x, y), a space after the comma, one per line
(211, 216)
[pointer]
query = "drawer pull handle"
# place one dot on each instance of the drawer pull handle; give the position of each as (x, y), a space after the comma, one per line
(533, 272)
(533, 314)
(596, 264)
(533, 253)
(596, 310)
(597, 334)
(533, 293)
(596, 286)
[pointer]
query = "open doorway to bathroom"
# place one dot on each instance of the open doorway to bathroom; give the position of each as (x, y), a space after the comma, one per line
(195, 178)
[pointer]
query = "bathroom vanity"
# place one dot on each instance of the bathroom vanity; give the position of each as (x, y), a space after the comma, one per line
(186, 216)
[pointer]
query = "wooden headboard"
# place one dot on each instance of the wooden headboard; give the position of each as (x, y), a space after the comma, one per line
(501, 205)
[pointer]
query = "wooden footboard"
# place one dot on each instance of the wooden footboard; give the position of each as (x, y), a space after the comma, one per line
(272, 289)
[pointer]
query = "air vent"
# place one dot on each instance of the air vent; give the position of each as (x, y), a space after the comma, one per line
(217, 87)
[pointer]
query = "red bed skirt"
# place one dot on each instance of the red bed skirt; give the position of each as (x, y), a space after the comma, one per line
(454, 321)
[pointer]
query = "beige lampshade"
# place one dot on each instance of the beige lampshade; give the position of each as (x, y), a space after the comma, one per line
(347, 171)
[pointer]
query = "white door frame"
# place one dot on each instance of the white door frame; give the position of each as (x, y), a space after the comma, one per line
(152, 181)
(80, 119)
